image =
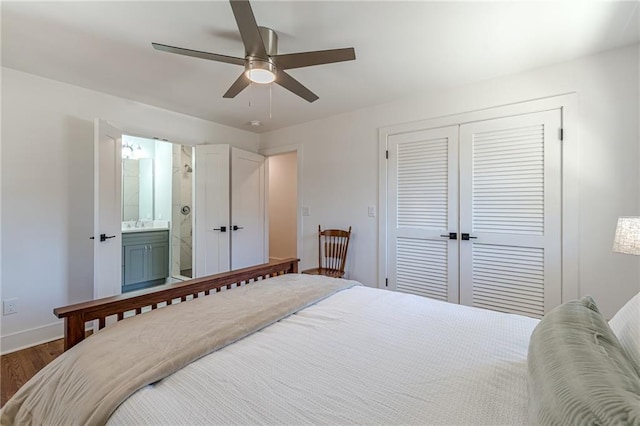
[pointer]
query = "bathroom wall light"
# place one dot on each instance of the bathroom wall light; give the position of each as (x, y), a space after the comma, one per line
(127, 150)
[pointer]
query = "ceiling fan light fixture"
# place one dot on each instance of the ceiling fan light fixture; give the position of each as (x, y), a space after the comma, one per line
(261, 72)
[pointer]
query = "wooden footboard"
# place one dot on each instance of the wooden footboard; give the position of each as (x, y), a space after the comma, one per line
(141, 301)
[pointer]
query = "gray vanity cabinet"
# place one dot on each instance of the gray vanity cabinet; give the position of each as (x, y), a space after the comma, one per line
(145, 259)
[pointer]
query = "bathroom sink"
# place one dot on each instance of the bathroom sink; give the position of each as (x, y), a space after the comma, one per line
(145, 225)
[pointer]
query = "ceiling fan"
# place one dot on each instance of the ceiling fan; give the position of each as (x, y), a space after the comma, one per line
(262, 63)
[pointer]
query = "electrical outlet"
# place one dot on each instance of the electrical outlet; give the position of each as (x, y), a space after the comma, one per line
(10, 306)
(372, 211)
(306, 211)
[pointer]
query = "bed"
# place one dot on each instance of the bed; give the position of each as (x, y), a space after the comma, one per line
(291, 349)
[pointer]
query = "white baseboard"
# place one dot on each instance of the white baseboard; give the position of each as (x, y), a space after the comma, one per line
(34, 336)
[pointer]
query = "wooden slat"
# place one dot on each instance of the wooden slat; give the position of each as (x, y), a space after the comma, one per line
(73, 331)
(76, 315)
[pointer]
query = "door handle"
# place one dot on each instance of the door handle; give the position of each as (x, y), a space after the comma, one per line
(464, 236)
(236, 227)
(221, 229)
(103, 237)
(451, 235)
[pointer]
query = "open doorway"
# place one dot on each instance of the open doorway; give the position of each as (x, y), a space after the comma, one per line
(156, 212)
(283, 205)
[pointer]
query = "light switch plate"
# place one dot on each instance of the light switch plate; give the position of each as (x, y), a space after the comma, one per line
(306, 211)
(372, 211)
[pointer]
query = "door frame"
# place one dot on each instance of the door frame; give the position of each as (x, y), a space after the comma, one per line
(567, 104)
(285, 149)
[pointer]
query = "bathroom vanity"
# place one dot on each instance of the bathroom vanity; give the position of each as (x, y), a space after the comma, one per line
(145, 258)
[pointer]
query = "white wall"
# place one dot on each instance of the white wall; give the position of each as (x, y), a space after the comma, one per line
(47, 191)
(283, 203)
(340, 164)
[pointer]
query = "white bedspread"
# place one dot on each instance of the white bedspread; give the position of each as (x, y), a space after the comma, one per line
(362, 356)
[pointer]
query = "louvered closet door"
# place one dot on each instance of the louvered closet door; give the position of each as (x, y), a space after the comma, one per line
(422, 170)
(510, 182)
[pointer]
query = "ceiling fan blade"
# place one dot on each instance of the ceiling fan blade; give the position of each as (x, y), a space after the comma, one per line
(318, 57)
(293, 85)
(198, 54)
(248, 27)
(238, 86)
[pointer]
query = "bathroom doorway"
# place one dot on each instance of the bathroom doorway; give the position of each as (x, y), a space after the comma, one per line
(157, 198)
(283, 205)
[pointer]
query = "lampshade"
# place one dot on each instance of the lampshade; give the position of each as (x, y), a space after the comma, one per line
(627, 238)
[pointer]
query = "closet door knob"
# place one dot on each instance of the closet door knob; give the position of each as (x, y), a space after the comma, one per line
(465, 237)
(450, 235)
(221, 229)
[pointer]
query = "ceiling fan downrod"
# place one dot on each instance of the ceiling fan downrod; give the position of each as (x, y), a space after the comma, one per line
(270, 40)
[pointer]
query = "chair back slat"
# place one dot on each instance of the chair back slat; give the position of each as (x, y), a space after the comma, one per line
(332, 250)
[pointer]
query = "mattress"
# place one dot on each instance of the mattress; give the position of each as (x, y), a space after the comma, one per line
(361, 356)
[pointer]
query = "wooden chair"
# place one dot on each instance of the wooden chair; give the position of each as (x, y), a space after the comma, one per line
(332, 252)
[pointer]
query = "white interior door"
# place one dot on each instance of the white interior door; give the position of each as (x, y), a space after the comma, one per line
(107, 252)
(211, 235)
(248, 243)
(510, 192)
(422, 212)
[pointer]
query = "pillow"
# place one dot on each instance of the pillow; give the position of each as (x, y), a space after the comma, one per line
(578, 373)
(626, 326)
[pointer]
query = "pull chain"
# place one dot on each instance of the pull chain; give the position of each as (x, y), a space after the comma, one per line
(270, 102)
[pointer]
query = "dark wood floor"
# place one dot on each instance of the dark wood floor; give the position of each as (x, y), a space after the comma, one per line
(18, 367)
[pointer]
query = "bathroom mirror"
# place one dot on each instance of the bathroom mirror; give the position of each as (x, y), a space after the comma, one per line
(137, 189)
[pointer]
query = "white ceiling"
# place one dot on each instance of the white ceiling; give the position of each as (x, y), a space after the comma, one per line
(401, 48)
